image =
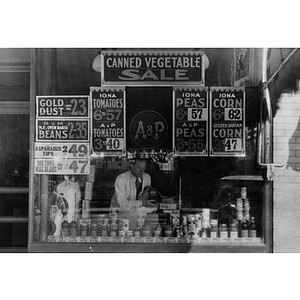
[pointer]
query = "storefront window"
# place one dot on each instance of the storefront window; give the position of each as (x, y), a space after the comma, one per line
(200, 190)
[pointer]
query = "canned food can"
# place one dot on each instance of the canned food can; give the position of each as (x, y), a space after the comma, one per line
(128, 233)
(243, 192)
(204, 233)
(239, 215)
(137, 233)
(114, 213)
(192, 227)
(113, 233)
(125, 224)
(94, 229)
(121, 233)
(113, 226)
(88, 192)
(246, 203)
(214, 222)
(147, 231)
(198, 225)
(103, 230)
(239, 203)
(168, 231)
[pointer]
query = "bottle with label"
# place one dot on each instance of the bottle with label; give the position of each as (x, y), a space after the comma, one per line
(244, 229)
(233, 230)
(65, 227)
(73, 227)
(223, 231)
(213, 231)
(252, 228)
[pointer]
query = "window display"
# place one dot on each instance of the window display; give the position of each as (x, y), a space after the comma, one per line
(159, 166)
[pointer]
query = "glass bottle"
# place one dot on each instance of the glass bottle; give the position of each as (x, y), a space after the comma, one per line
(244, 229)
(65, 227)
(223, 231)
(73, 227)
(233, 230)
(252, 228)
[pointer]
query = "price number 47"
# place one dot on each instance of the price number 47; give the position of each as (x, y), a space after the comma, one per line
(79, 165)
(233, 145)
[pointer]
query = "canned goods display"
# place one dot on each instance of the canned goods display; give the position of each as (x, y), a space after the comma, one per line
(205, 217)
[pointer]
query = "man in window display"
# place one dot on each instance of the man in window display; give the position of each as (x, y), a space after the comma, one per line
(131, 195)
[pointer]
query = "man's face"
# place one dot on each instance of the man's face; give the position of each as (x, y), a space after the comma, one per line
(138, 168)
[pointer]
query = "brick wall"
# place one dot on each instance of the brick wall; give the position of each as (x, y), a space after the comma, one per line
(287, 179)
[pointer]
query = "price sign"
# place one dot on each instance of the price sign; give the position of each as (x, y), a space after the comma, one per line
(61, 130)
(59, 165)
(63, 150)
(62, 106)
(227, 121)
(191, 121)
(108, 121)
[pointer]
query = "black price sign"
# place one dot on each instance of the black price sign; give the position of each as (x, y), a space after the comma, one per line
(227, 125)
(191, 121)
(108, 121)
(59, 130)
(62, 106)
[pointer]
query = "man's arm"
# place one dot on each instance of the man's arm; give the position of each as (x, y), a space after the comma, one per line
(123, 195)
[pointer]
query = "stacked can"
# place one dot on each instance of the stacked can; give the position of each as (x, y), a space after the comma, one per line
(240, 209)
(246, 204)
(205, 218)
(124, 228)
(88, 193)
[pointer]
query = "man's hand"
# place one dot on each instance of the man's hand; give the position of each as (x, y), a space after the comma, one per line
(149, 203)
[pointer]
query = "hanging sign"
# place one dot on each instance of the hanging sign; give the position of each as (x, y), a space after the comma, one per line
(152, 67)
(108, 120)
(62, 135)
(190, 121)
(60, 130)
(62, 106)
(227, 121)
(61, 165)
(62, 150)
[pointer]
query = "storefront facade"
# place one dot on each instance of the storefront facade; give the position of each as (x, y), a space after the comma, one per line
(205, 135)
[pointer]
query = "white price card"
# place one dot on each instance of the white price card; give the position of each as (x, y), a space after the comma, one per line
(114, 144)
(63, 166)
(197, 114)
(61, 150)
(233, 144)
(233, 114)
